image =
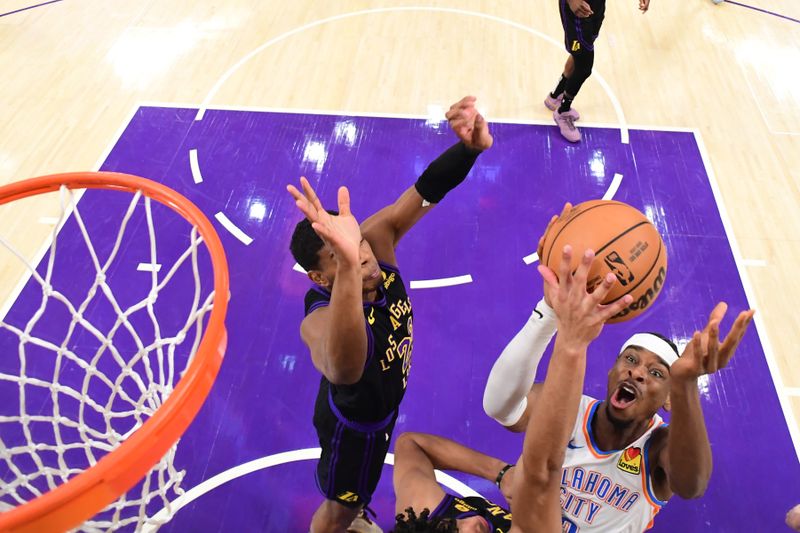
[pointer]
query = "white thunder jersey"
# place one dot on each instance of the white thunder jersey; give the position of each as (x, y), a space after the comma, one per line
(606, 490)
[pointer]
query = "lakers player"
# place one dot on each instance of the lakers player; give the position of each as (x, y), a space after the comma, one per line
(622, 462)
(358, 324)
(539, 486)
(581, 21)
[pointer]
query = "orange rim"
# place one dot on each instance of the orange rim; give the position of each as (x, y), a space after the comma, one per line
(83, 496)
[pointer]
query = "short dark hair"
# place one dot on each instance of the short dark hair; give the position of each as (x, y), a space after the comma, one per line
(409, 522)
(306, 244)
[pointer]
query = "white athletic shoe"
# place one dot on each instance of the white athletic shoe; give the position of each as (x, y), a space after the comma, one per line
(363, 524)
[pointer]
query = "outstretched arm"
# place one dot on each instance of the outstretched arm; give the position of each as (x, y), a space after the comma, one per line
(336, 334)
(580, 319)
(510, 390)
(686, 459)
(384, 229)
(416, 457)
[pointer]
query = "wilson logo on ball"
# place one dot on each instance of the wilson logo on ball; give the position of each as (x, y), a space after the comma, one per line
(646, 298)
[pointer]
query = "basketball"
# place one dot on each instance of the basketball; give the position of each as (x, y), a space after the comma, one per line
(625, 243)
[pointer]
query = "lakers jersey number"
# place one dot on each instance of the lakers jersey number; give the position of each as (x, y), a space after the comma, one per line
(389, 326)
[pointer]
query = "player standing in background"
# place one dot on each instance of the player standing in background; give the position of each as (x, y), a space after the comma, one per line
(581, 20)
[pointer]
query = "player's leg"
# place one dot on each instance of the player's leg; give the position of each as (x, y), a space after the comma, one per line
(342, 454)
(579, 37)
(583, 62)
(553, 99)
(347, 473)
(333, 517)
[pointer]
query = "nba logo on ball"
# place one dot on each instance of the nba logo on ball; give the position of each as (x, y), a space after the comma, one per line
(625, 243)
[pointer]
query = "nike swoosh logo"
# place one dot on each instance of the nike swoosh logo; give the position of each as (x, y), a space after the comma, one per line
(572, 446)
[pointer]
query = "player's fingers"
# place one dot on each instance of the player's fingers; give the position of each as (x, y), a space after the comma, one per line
(734, 337)
(462, 106)
(323, 231)
(564, 274)
(467, 101)
(310, 194)
(343, 199)
(712, 348)
(480, 123)
(582, 273)
(540, 245)
(693, 350)
(718, 313)
(297, 195)
(548, 276)
(602, 290)
(613, 309)
(307, 210)
(461, 122)
(697, 351)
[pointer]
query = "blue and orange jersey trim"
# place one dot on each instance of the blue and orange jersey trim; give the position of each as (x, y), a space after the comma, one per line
(591, 444)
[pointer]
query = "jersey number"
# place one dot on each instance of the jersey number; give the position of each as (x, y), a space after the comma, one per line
(568, 526)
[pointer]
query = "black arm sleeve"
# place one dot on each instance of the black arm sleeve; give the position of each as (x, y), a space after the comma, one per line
(446, 172)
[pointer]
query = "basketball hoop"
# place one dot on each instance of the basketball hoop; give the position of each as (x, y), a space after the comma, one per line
(54, 496)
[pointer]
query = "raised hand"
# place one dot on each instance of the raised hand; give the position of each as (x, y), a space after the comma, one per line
(644, 5)
(580, 314)
(469, 125)
(340, 232)
(540, 246)
(581, 8)
(704, 354)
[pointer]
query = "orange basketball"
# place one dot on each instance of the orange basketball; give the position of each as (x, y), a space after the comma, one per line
(625, 243)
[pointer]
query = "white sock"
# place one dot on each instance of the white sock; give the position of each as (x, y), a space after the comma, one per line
(505, 398)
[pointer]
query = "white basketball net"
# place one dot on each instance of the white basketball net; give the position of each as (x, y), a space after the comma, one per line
(64, 425)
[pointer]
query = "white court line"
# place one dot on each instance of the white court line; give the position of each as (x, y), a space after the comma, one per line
(37, 259)
(754, 262)
(298, 268)
(769, 355)
(148, 267)
(232, 228)
(529, 259)
(613, 188)
(269, 461)
(793, 391)
(414, 116)
(48, 221)
(196, 175)
(624, 137)
(608, 195)
(441, 282)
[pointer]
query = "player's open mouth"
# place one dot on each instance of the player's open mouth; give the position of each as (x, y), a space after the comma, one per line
(374, 274)
(625, 395)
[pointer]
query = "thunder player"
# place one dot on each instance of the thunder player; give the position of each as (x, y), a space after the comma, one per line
(581, 20)
(622, 462)
(534, 488)
(359, 329)
(555, 486)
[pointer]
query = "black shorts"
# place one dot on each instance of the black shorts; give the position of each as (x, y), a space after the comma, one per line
(352, 457)
(580, 33)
